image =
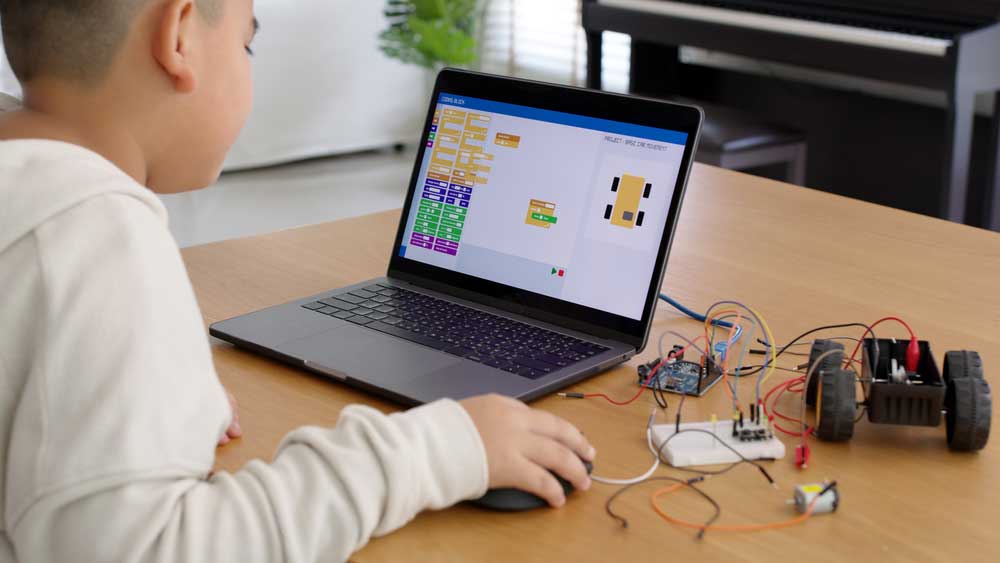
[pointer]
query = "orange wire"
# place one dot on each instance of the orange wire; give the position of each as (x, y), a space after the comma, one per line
(713, 316)
(726, 528)
(725, 375)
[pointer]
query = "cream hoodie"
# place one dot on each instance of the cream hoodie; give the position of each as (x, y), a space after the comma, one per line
(110, 407)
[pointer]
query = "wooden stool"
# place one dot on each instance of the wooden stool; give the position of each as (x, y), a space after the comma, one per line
(738, 140)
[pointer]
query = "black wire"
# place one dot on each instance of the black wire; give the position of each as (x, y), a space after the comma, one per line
(656, 386)
(758, 352)
(861, 414)
(799, 371)
(688, 482)
(706, 473)
(743, 458)
(677, 430)
(763, 342)
(805, 334)
(680, 408)
(658, 394)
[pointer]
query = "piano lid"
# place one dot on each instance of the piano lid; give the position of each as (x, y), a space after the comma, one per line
(933, 18)
(881, 37)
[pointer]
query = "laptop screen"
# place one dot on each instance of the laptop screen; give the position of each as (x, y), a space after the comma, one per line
(567, 206)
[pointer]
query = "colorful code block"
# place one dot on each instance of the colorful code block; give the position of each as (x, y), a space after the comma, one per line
(541, 214)
(446, 247)
(422, 240)
(457, 166)
(507, 140)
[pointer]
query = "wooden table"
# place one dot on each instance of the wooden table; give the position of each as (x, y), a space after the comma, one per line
(802, 258)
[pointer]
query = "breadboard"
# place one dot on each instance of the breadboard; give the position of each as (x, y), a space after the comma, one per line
(699, 448)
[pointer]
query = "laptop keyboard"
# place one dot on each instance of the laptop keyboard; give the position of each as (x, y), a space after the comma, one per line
(469, 333)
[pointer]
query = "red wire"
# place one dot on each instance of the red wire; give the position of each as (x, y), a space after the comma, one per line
(788, 387)
(781, 388)
(775, 389)
(876, 323)
(645, 384)
(774, 407)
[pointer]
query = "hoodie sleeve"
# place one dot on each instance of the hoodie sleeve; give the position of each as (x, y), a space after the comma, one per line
(115, 433)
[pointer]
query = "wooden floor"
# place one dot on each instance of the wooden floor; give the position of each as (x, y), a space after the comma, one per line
(314, 191)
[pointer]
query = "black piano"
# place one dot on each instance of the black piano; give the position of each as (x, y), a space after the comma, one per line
(947, 45)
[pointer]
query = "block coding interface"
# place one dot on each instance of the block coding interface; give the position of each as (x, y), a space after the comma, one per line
(564, 205)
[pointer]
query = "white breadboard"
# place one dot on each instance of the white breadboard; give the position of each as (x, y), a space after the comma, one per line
(699, 448)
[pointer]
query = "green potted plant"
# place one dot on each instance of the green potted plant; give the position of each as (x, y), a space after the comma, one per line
(433, 33)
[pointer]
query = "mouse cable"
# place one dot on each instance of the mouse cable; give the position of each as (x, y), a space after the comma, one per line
(648, 473)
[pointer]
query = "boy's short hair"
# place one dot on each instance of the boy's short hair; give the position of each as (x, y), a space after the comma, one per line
(74, 39)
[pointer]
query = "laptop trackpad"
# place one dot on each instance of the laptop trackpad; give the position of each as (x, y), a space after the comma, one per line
(368, 355)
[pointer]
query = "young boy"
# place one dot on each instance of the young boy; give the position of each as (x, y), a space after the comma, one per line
(110, 409)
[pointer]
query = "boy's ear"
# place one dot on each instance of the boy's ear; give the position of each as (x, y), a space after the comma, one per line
(173, 42)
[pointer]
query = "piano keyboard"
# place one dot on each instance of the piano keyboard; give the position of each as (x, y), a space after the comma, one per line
(833, 32)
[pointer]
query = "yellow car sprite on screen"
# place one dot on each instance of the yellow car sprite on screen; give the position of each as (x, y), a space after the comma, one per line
(625, 212)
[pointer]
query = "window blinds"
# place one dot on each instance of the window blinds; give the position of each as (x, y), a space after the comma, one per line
(544, 40)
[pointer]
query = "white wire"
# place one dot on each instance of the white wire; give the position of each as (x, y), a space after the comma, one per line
(640, 478)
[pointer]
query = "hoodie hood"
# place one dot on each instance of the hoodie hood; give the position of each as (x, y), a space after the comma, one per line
(40, 179)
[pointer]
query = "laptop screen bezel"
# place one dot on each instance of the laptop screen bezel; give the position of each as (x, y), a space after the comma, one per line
(628, 109)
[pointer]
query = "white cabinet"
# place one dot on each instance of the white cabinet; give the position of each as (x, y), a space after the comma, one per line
(323, 87)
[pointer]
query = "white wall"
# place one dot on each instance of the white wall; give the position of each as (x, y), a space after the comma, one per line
(321, 84)
(8, 84)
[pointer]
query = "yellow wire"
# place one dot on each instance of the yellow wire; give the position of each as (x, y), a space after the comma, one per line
(770, 339)
(767, 332)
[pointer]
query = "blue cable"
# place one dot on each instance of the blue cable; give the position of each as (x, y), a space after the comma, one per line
(736, 335)
(692, 314)
(699, 317)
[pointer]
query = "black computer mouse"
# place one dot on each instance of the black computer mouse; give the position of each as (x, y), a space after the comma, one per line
(516, 500)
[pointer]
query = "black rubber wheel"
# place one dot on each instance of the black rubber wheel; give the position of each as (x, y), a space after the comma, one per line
(830, 364)
(969, 407)
(965, 363)
(836, 406)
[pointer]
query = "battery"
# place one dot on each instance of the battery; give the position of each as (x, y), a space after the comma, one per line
(804, 495)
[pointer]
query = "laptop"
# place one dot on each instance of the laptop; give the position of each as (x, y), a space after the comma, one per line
(529, 254)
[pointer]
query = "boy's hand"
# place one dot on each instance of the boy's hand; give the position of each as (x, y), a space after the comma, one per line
(522, 444)
(234, 430)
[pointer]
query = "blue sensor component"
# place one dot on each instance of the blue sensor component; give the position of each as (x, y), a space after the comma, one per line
(720, 349)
